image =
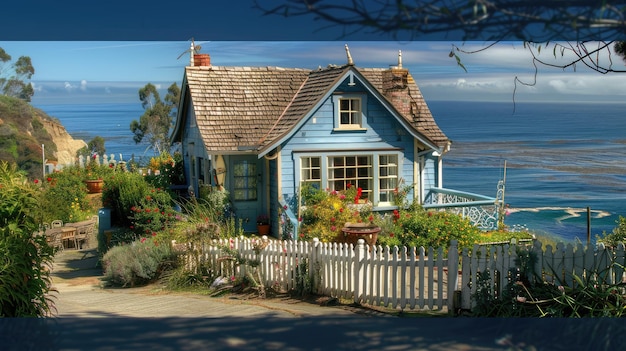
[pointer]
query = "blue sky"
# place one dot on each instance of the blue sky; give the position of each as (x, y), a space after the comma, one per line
(113, 71)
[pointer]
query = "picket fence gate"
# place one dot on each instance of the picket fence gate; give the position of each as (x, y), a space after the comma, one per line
(406, 278)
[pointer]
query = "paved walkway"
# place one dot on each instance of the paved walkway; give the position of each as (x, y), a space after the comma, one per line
(92, 318)
(77, 278)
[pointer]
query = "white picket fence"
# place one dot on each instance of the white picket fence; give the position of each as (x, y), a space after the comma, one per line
(382, 276)
(409, 279)
(556, 265)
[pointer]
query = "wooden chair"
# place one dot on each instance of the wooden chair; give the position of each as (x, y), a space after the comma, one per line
(55, 239)
(84, 233)
(56, 223)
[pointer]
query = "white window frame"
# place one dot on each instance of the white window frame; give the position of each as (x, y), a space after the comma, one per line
(372, 194)
(308, 171)
(392, 178)
(358, 122)
(358, 174)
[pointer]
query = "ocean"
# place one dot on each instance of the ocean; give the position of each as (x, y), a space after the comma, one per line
(109, 121)
(561, 158)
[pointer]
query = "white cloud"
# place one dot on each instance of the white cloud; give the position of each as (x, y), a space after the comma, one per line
(68, 86)
(83, 85)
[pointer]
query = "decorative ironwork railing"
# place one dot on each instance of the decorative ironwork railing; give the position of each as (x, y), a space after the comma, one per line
(482, 211)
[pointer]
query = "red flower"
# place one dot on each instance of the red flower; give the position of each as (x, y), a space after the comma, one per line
(49, 179)
(143, 240)
(348, 185)
(36, 181)
(285, 207)
(371, 218)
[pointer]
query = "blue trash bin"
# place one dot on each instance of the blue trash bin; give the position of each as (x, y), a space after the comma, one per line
(104, 220)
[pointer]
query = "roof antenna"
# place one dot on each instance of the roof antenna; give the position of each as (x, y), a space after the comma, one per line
(350, 62)
(399, 58)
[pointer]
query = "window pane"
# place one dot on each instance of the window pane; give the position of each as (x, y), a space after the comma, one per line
(244, 181)
(353, 170)
(388, 177)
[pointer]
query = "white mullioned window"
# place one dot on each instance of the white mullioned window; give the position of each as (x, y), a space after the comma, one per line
(245, 181)
(353, 170)
(311, 171)
(377, 174)
(387, 178)
(350, 112)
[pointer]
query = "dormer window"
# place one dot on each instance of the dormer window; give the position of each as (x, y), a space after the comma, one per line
(349, 112)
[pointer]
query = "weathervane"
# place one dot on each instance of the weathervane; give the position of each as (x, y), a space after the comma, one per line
(193, 49)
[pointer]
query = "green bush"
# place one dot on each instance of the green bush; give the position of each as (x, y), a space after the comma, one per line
(25, 258)
(153, 213)
(417, 227)
(618, 235)
(138, 263)
(65, 196)
(121, 193)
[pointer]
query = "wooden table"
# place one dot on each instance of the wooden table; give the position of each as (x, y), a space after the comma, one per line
(67, 233)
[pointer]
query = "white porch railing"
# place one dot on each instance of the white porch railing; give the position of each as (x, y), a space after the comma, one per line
(482, 211)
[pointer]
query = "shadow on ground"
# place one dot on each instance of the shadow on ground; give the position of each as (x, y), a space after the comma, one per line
(315, 333)
(72, 264)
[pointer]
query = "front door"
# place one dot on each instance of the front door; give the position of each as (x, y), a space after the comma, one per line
(245, 180)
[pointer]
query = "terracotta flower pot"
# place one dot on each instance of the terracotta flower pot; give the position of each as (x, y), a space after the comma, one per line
(94, 186)
(263, 229)
(352, 232)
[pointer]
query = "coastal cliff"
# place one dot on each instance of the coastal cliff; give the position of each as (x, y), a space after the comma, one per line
(24, 129)
(66, 145)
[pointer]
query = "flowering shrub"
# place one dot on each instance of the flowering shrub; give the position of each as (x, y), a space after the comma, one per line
(166, 169)
(326, 212)
(65, 196)
(153, 214)
(417, 227)
(263, 219)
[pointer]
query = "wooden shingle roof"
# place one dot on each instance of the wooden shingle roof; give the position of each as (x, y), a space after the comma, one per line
(236, 106)
(239, 108)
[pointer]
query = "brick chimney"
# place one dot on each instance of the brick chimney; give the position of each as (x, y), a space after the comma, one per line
(396, 88)
(201, 60)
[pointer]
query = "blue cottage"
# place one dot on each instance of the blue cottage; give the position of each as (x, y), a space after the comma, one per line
(260, 133)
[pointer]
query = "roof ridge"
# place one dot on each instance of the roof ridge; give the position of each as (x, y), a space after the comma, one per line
(284, 110)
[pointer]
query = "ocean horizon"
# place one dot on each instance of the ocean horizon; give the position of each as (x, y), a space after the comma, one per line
(558, 158)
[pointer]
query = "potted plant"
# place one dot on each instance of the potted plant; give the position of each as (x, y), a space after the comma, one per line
(94, 184)
(263, 224)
